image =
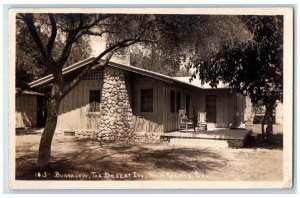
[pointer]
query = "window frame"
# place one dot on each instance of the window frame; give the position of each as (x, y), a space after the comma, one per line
(144, 83)
(141, 100)
(90, 109)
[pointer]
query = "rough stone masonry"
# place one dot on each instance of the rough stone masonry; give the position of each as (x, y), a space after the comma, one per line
(116, 111)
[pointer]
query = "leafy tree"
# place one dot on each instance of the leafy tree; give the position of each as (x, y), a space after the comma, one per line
(156, 60)
(177, 36)
(185, 36)
(255, 69)
(29, 66)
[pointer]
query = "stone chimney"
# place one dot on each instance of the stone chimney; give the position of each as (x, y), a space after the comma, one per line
(116, 111)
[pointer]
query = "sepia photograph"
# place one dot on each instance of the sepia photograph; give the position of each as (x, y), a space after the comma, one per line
(151, 98)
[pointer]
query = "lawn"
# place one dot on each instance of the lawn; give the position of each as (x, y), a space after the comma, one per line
(86, 159)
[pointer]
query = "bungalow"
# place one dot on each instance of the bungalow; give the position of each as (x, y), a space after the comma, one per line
(120, 101)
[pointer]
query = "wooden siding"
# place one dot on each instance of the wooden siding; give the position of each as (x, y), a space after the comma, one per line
(147, 121)
(231, 109)
(74, 115)
(74, 108)
(229, 106)
(26, 110)
(171, 118)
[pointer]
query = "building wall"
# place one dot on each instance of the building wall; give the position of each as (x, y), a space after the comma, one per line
(26, 110)
(113, 121)
(147, 121)
(171, 119)
(161, 119)
(74, 108)
(229, 106)
(74, 112)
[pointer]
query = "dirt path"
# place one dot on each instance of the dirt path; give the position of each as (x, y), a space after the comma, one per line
(86, 159)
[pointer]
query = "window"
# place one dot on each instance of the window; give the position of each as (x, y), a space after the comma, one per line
(178, 101)
(146, 100)
(95, 99)
(172, 101)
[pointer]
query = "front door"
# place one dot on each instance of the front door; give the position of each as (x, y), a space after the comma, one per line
(211, 108)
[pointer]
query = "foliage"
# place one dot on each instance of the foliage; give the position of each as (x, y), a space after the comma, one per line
(256, 69)
(180, 37)
(183, 37)
(155, 60)
(29, 66)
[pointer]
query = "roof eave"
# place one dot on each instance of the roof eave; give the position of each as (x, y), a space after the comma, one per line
(142, 72)
(47, 79)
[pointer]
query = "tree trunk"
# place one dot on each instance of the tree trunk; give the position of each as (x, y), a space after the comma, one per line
(47, 135)
(269, 131)
(263, 125)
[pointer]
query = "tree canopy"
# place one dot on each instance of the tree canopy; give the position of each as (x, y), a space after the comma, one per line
(29, 65)
(255, 70)
(184, 38)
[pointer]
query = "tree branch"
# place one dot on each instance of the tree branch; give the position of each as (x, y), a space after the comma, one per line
(71, 38)
(94, 23)
(20, 16)
(92, 33)
(149, 40)
(75, 34)
(53, 33)
(28, 18)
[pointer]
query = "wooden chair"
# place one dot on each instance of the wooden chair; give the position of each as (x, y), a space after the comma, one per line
(184, 122)
(201, 125)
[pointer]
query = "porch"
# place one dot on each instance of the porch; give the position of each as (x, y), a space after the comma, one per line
(222, 137)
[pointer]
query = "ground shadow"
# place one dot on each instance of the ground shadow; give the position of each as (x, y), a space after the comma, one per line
(28, 131)
(276, 142)
(118, 158)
